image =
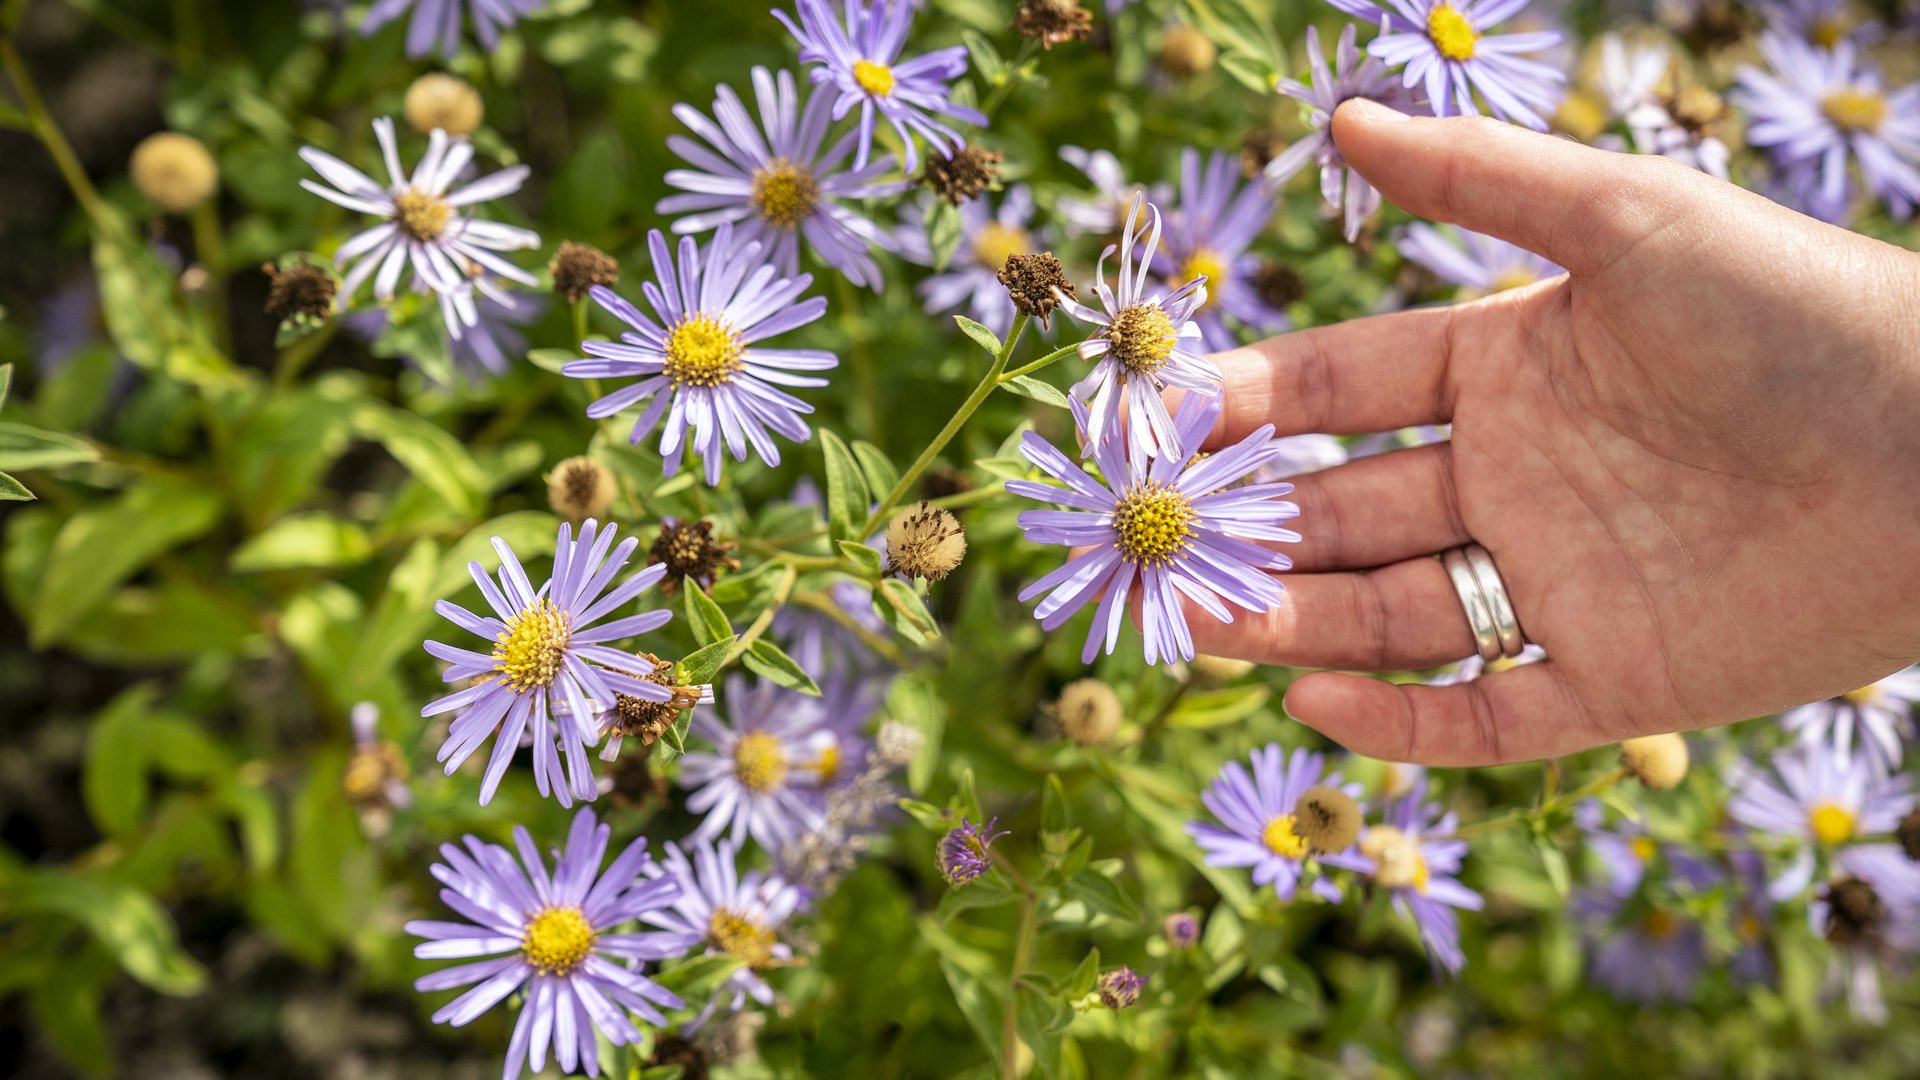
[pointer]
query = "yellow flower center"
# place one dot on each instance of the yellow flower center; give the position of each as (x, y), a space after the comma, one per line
(1829, 29)
(1513, 279)
(528, 653)
(558, 941)
(758, 762)
(1831, 824)
(784, 193)
(1142, 338)
(702, 351)
(828, 764)
(1280, 838)
(741, 937)
(1866, 695)
(1854, 110)
(1208, 264)
(419, 215)
(370, 769)
(1153, 523)
(996, 242)
(1643, 848)
(1452, 34)
(1658, 925)
(1748, 928)
(1397, 859)
(875, 79)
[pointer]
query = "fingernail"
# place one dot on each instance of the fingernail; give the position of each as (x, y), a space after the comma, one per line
(1373, 110)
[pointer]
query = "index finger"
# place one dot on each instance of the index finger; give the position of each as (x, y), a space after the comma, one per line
(1374, 374)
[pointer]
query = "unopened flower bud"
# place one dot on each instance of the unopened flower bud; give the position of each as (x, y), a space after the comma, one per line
(437, 100)
(963, 854)
(1031, 280)
(689, 551)
(1052, 22)
(1121, 987)
(1657, 761)
(1181, 930)
(580, 488)
(1088, 711)
(925, 542)
(1327, 819)
(1186, 52)
(577, 268)
(1218, 668)
(174, 170)
(300, 291)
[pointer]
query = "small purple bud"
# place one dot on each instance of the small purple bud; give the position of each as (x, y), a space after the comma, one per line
(1120, 988)
(963, 853)
(1181, 929)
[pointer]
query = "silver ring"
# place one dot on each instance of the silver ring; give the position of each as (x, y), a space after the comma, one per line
(1473, 600)
(1505, 622)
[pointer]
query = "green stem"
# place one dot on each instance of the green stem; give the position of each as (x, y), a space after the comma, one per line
(210, 246)
(580, 320)
(1027, 49)
(1022, 954)
(967, 498)
(299, 353)
(780, 593)
(1547, 806)
(825, 605)
(988, 384)
(49, 135)
(1060, 353)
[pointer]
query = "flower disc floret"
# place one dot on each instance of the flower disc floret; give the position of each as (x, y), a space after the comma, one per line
(739, 936)
(533, 647)
(702, 351)
(875, 79)
(759, 762)
(1452, 34)
(1143, 338)
(1280, 838)
(1154, 523)
(784, 193)
(1852, 109)
(558, 940)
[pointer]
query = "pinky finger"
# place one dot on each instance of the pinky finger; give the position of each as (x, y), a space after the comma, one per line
(1521, 714)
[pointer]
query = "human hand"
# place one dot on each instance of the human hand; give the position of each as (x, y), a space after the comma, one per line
(1688, 458)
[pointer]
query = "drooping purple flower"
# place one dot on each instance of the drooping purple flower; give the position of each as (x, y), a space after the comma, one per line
(963, 852)
(423, 225)
(1477, 263)
(779, 180)
(488, 348)
(1448, 49)
(1869, 912)
(549, 661)
(988, 234)
(1143, 344)
(1874, 721)
(1414, 854)
(1817, 795)
(435, 26)
(1254, 820)
(762, 777)
(1815, 111)
(1218, 219)
(1352, 76)
(858, 56)
(716, 389)
(734, 914)
(1176, 525)
(552, 935)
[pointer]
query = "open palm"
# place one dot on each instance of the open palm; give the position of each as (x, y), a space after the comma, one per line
(1689, 458)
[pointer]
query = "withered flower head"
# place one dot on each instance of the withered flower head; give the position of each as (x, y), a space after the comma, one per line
(1277, 283)
(174, 170)
(1257, 147)
(1908, 834)
(690, 551)
(1030, 280)
(580, 488)
(1855, 912)
(1186, 52)
(299, 291)
(447, 102)
(1052, 22)
(579, 267)
(1658, 761)
(634, 718)
(942, 481)
(1088, 711)
(925, 542)
(963, 176)
(1327, 819)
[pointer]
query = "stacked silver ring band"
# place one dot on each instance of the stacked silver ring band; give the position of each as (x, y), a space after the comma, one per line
(1490, 615)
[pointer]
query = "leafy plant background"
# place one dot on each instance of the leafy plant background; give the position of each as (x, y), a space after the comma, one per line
(222, 562)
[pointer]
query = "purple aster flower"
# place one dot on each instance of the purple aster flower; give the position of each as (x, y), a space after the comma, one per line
(436, 23)
(1479, 264)
(762, 777)
(1876, 719)
(737, 915)
(718, 391)
(987, 236)
(1106, 211)
(552, 935)
(1121, 987)
(1255, 820)
(1823, 23)
(1143, 345)
(1627, 852)
(1820, 796)
(1414, 855)
(963, 853)
(822, 644)
(549, 661)
(423, 225)
(1447, 49)
(859, 57)
(1752, 918)
(777, 181)
(1869, 913)
(1175, 524)
(1473, 667)
(1814, 110)
(1352, 76)
(1208, 237)
(1181, 930)
(1657, 957)
(485, 349)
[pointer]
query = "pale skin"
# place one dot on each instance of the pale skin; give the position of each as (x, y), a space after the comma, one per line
(1692, 459)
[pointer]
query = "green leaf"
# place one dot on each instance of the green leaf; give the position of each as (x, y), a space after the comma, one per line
(1214, 708)
(977, 1003)
(304, 541)
(700, 666)
(1054, 816)
(708, 622)
(127, 921)
(928, 815)
(1041, 1020)
(987, 62)
(877, 467)
(981, 336)
(26, 447)
(1044, 392)
(12, 490)
(697, 979)
(847, 494)
(428, 451)
(6, 382)
(865, 560)
(944, 230)
(100, 547)
(1082, 981)
(902, 598)
(114, 783)
(1101, 893)
(136, 297)
(765, 659)
(983, 893)
(552, 359)
(66, 1009)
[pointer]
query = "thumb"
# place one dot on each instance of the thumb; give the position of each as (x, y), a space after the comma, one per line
(1580, 207)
